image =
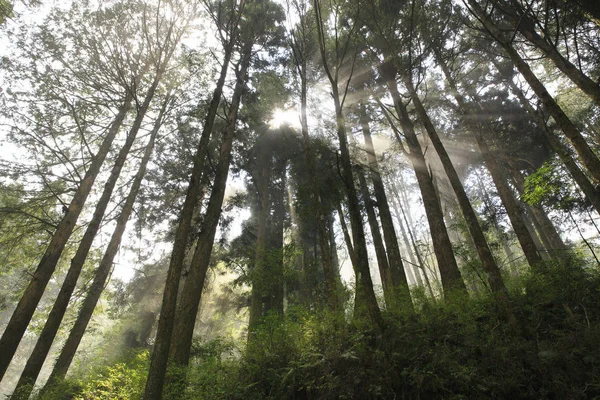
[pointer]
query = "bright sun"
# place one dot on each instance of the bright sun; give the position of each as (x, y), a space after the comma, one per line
(285, 117)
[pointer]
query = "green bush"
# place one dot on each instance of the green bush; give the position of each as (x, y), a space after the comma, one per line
(455, 350)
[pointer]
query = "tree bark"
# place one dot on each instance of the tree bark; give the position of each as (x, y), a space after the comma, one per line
(160, 352)
(33, 293)
(191, 294)
(46, 338)
(450, 275)
(483, 250)
(588, 157)
(104, 269)
(259, 282)
(380, 253)
(400, 291)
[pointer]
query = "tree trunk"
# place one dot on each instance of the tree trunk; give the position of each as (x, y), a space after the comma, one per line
(104, 269)
(526, 26)
(498, 176)
(590, 192)
(421, 264)
(328, 270)
(191, 294)
(160, 352)
(588, 157)
(31, 297)
(483, 250)
(46, 338)
(450, 275)
(380, 253)
(400, 291)
(259, 273)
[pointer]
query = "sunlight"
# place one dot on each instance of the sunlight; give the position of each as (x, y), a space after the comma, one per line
(285, 117)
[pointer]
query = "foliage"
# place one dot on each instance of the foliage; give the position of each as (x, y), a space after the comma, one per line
(548, 185)
(454, 350)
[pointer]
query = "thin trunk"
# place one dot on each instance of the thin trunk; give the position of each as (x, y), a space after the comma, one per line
(31, 297)
(46, 338)
(483, 250)
(328, 270)
(588, 157)
(588, 189)
(587, 243)
(259, 281)
(102, 273)
(526, 26)
(191, 294)
(413, 261)
(511, 205)
(380, 253)
(412, 237)
(400, 291)
(160, 352)
(449, 272)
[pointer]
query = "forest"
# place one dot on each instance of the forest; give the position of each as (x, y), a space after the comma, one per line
(299, 199)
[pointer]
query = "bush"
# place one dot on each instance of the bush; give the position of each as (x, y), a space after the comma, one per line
(455, 350)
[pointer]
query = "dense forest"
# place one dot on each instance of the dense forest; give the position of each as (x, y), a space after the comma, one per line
(300, 199)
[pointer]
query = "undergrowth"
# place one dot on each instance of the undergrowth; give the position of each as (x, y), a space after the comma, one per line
(453, 350)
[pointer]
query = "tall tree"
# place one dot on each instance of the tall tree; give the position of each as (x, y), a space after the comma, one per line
(262, 36)
(40, 352)
(341, 56)
(27, 304)
(302, 43)
(399, 284)
(104, 269)
(227, 21)
(586, 154)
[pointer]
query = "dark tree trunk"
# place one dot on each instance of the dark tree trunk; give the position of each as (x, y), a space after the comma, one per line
(400, 291)
(498, 176)
(191, 294)
(450, 275)
(46, 338)
(104, 269)
(160, 352)
(33, 293)
(380, 253)
(481, 245)
(510, 203)
(588, 157)
(259, 274)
